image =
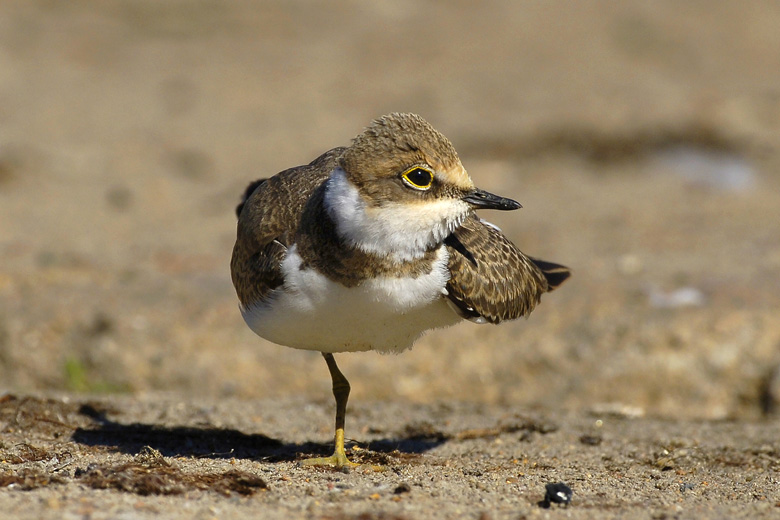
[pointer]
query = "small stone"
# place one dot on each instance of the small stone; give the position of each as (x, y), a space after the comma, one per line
(664, 463)
(403, 487)
(557, 493)
(591, 440)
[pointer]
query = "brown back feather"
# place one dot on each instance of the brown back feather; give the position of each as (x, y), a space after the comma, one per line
(268, 216)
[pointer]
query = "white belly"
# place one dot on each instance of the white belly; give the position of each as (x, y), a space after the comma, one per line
(385, 314)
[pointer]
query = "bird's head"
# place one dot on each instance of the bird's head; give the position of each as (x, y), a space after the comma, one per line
(401, 189)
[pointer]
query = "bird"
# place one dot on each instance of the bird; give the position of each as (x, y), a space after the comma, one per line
(371, 245)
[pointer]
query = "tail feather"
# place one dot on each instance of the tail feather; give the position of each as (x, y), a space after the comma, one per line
(555, 274)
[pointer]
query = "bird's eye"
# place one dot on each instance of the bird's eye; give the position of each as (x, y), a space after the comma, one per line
(418, 178)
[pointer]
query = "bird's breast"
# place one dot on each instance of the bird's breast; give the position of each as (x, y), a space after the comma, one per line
(384, 313)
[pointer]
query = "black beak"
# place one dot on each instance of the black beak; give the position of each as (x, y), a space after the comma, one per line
(480, 199)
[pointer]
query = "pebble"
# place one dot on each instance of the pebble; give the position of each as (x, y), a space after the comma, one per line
(557, 493)
(403, 487)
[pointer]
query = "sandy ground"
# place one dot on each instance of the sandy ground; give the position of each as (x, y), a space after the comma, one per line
(150, 456)
(642, 139)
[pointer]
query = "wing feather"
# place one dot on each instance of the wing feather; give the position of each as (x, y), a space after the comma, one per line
(268, 216)
(491, 279)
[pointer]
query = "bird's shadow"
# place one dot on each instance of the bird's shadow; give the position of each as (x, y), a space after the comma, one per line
(212, 442)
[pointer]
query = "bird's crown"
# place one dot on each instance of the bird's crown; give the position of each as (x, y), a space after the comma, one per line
(401, 157)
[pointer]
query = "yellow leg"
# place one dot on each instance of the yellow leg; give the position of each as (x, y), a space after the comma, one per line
(341, 393)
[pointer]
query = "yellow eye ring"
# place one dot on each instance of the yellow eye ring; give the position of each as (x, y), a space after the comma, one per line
(418, 178)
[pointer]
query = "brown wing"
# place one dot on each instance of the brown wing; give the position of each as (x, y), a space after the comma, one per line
(268, 216)
(492, 279)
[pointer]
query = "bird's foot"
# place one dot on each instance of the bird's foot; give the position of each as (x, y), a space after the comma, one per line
(338, 460)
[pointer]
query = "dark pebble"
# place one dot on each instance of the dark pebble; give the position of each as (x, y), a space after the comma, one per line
(403, 487)
(590, 440)
(557, 493)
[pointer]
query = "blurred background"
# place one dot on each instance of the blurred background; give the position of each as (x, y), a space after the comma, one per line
(642, 138)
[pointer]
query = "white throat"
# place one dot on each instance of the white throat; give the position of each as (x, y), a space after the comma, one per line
(403, 231)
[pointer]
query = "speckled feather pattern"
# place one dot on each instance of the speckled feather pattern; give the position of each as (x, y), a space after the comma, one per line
(496, 282)
(269, 218)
